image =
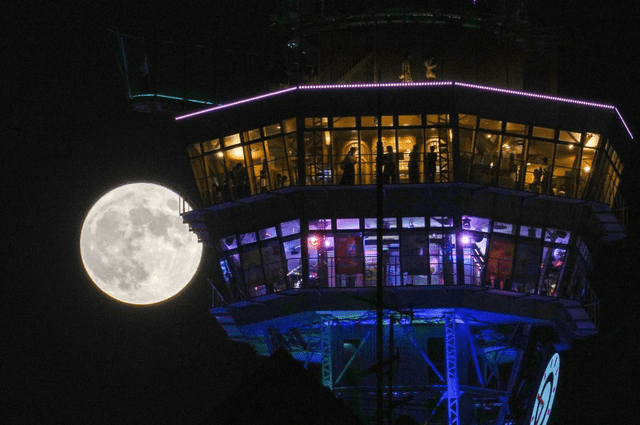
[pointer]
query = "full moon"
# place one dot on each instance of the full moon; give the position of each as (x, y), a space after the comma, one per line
(135, 246)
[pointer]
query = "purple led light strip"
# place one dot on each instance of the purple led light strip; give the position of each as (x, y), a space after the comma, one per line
(239, 102)
(624, 122)
(414, 84)
(546, 97)
(534, 95)
(376, 85)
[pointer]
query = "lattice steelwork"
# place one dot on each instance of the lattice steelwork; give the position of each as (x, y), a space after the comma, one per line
(452, 366)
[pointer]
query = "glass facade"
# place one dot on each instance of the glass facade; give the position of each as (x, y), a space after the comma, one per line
(417, 149)
(342, 253)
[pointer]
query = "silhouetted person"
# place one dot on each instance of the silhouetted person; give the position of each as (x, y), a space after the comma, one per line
(389, 169)
(348, 166)
(264, 177)
(431, 158)
(414, 164)
(546, 177)
(240, 180)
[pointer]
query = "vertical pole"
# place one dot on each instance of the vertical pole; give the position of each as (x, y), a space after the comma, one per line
(379, 274)
(390, 372)
(379, 213)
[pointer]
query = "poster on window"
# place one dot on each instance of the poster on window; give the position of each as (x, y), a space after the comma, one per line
(500, 262)
(348, 254)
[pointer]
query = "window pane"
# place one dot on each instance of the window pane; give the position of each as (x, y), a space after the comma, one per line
(545, 133)
(511, 162)
(321, 260)
(390, 223)
(231, 140)
(410, 148)
(343, 122)
(292, 253)
(415, 257)
(500, 262)
(368, 140)
(565, 172)
(252, 271)
(248, 238)
(317, 147)
(342, 142)
(490, 124)
(272, 130)
(413, 222)
(486, 158)
(441, 222)
(506, 228)
(538, 166)
(531, 232)
(277, 167)
(387, 223)
(409, 120)
(569, 136)
(442, 259)
(268, 233)
(466, 153)
(290, 227)
(347, 223)
(252, 135)
(349, 259)
(438, 119)
(228, 243)
(592, 140)
(467, 121)
(316, 122)
(477, 224)
(273, 272)
(211, 145)
(516, 128)
(320, 224)
(193, 150)
(474, 251)
(258, 173)
(527, 266)
(368, 121)
(557, 236)
(289, 125)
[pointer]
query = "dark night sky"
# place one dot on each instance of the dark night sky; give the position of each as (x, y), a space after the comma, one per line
(72, 355)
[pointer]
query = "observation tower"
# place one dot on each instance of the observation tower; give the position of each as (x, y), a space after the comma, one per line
(417, 215)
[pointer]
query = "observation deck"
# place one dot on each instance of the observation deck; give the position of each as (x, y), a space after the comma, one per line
(496, 203)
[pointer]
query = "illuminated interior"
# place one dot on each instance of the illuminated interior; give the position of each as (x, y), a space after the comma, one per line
(498, 153)
(417, 251)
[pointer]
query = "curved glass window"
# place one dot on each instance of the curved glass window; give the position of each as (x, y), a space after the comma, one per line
(416, 149)
(496, 255)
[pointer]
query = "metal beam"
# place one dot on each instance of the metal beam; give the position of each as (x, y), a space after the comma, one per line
(472, 346)
(353, 356)
(426, 358)
(452, 366)
(325, 338)
(515, 373)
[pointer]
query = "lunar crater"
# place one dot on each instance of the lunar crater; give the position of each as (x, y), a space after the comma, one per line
(135, 246)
